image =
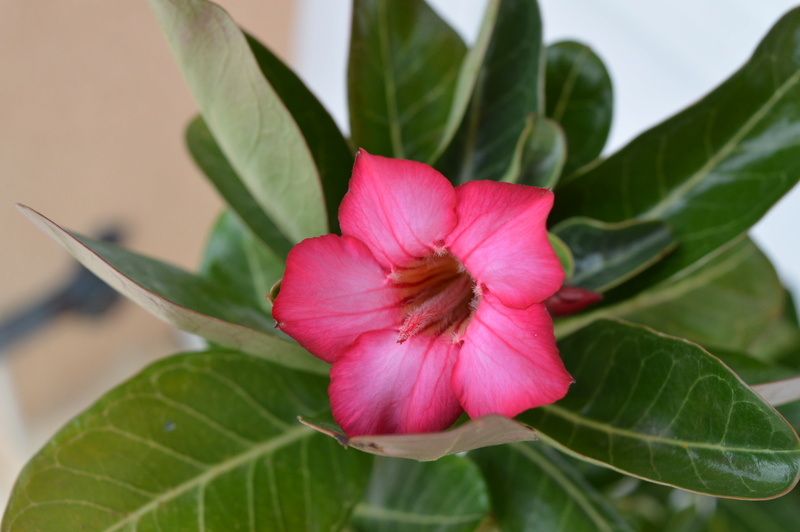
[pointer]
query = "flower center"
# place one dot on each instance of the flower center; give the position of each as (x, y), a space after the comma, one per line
(437, 295)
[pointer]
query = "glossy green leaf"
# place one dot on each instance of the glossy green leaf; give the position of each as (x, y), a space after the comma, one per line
(532, 488)
(727, 303)
(507, 91)
(404, 62)
(473, 434)
(564, 255)
(712, 170)
(540, 154)
(182, 299)
(239, 263)
(468, 77)
(209, 158)
(609, 254)
(448, 495)
(200, 441)
(256, 132)
(663, 409)
(332, 155)
(579, 96)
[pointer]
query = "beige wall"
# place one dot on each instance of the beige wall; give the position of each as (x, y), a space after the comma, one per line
(92, 110)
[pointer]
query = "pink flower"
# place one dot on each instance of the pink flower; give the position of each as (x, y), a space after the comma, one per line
(430, 303)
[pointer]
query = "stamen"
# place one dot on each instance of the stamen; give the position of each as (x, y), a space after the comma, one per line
(438, 295)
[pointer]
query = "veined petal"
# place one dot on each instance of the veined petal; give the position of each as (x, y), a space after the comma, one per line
(501, 239)
(333, 290)
(400, 209)
(509, 362)
(379, 386)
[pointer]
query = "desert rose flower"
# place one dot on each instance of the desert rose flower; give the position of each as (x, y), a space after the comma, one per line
(431, 301)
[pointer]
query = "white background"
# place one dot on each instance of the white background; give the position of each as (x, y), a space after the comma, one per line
(662, 56)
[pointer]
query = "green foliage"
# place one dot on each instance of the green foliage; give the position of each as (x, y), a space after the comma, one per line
(714, 169)
(578, 95)
(507, 89)
(663, 409)
(532, 488)
(211, 441)
(205, 441)
(448, 495)
(404, 63)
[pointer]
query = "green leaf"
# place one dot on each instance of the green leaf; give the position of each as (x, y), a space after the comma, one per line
(579, 97)
(473, 434)
(209, 157)
(607, 255)
(507, 91)
(540, 154)
(564, 254)
(186, 301)
(468, 77)
(781, 339)
(332, 155)
(532, 488)
(404, 62)
(245, 115)
(236, 261)
(727, 303)
(200, 441)
(448, 495)
(663, 409)
(714, 169)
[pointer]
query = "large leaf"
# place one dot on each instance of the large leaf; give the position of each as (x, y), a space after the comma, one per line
(507, 91)
(608, 254)
(580, 98)
(474, 434)
(404, 62)
(332, 155)
(209, 157)
(712, 170)
(665, 410)
(727, 303)
(448, 495)
(237, 262)
(200, 441)
(540, 154)
(532, 489)
(247, 118)
(182, 299)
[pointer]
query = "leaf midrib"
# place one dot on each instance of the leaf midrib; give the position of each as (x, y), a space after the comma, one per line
(266, 447)
(660, 209)
(652, 439)
(562, 480)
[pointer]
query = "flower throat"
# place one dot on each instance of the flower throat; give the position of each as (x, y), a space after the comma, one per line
(438, 296)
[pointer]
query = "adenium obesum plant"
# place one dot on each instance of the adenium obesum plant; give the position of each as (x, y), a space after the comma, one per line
(431, 301)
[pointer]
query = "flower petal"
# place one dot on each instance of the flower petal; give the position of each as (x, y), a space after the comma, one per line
(400, 209)
(379, 386)
(333, 291)
(509, 362)
(501, 239)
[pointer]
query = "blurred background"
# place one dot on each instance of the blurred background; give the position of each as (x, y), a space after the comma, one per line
(92, 111)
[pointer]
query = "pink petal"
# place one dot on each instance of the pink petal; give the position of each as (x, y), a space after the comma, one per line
(400, 209)
(509, 362)
(381, 387)
(501, 239)
(333, 291)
